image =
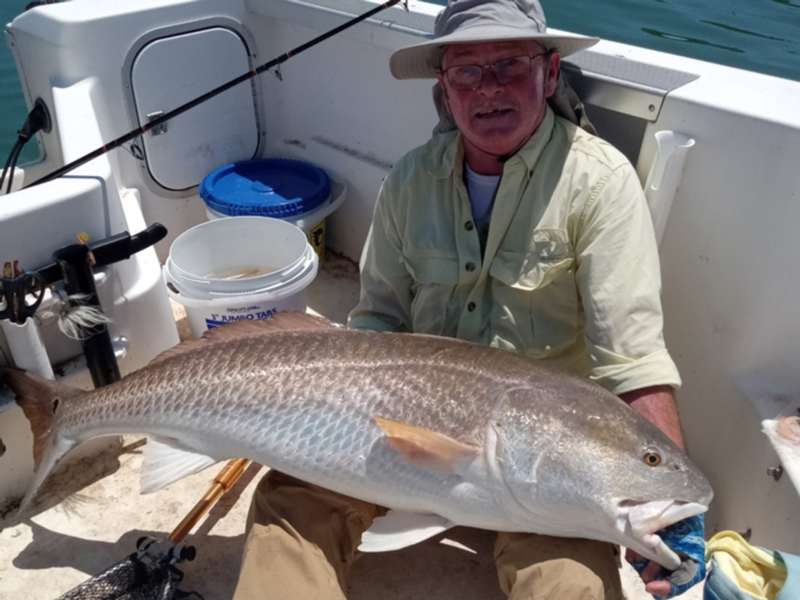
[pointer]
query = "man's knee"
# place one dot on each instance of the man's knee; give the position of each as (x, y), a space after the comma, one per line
(535, 567)
(327, 518)
(559, 579)
(302, 535)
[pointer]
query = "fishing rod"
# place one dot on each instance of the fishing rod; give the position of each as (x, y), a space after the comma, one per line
(134, 133)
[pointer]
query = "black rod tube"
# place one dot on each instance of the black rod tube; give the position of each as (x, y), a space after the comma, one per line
(12, 157)
(13, 166)
(97, 347)
(200, 99)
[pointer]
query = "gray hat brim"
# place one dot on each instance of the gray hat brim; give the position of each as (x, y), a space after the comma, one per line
(422, 60)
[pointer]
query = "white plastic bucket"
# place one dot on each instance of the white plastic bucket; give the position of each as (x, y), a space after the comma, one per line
(239, 268)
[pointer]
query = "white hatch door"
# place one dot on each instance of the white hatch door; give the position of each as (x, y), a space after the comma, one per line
(169, 72)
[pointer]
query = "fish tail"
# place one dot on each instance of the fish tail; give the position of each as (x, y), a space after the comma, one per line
(40, 401)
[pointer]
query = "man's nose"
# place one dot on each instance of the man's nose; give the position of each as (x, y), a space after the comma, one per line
(489, 81)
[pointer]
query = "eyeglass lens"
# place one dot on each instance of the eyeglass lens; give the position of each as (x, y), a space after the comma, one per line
(468, 77)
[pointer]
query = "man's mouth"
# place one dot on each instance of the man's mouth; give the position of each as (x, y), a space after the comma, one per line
(495, 112)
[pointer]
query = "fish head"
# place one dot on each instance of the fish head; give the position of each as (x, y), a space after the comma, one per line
(595, 470)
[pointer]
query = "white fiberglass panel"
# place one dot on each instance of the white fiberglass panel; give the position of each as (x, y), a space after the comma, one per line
(171, 71)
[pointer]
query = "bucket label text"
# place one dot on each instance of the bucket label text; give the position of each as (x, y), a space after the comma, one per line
(218, 319)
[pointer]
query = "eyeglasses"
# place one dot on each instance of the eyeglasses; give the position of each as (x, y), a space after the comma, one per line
(508, 70)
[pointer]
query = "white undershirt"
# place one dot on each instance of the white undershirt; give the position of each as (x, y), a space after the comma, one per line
(481, 190)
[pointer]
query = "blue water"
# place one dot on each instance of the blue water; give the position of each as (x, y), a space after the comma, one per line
(757, 35)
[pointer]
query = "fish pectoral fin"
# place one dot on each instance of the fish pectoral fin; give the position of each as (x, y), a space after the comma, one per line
(400, 529)
(427, 449)
(166, 460)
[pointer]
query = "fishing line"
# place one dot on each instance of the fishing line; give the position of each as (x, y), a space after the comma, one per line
(276, 62)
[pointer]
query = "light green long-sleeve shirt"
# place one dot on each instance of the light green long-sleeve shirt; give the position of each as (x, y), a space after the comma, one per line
(570, 272)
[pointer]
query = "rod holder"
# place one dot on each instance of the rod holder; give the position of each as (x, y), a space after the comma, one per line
(97, 347)
(665, 176)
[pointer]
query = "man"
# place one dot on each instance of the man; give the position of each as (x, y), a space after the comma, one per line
(517, 230)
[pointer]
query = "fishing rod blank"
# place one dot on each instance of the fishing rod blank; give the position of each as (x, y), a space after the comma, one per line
(218, 90)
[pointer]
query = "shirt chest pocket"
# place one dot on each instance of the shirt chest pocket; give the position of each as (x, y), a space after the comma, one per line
(434, 283)
(535, 298)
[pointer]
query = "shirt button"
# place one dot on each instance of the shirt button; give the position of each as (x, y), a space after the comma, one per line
(470, 266)
(469, 226)
(471, 306)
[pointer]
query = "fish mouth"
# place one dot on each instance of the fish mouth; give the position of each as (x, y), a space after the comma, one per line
(639, 521)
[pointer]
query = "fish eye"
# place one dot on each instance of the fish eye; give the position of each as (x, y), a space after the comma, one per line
(651, 457)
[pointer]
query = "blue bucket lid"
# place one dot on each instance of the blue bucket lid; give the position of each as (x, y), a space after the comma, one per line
(267, 187)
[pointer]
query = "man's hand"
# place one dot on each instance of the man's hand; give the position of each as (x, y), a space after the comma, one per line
(657, 405)
(686, 538)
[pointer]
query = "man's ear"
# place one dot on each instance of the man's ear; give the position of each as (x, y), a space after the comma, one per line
(553, 65)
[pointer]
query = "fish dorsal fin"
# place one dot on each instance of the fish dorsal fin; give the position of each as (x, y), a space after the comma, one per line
(282, 321)
(166, 460)
(427, 449)
(400, 529)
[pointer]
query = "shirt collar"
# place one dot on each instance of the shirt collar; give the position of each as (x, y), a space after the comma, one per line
(452, 152)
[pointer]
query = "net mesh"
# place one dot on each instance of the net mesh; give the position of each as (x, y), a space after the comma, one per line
(131, 579)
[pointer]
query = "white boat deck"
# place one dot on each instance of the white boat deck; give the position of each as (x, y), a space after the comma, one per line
(91, 514)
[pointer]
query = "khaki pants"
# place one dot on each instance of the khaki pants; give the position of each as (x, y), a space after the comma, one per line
(303, 539)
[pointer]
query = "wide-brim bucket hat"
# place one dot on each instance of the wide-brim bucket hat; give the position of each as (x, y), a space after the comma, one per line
(475, 21)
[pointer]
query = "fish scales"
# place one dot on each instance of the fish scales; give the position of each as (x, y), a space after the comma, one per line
(284, 396)
(328, 384)
(285, 369)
